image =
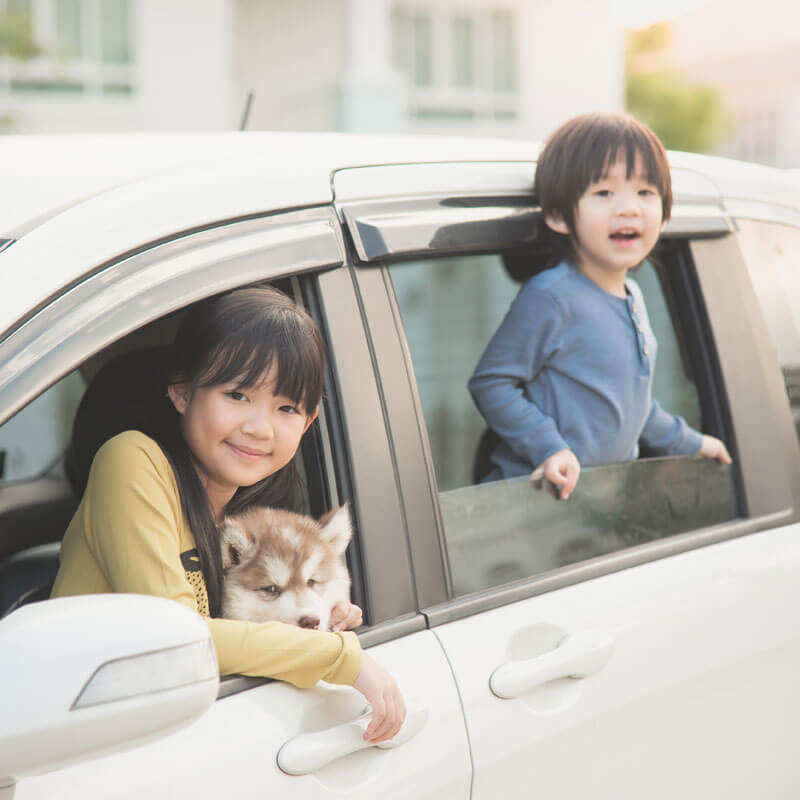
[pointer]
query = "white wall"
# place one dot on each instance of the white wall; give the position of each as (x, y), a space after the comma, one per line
(291, 54)
(183, 74)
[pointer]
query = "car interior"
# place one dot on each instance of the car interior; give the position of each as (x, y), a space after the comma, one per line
(121, 383)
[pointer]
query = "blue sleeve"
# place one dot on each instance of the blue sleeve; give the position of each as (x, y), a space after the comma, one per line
(670, 434)
(520, 347)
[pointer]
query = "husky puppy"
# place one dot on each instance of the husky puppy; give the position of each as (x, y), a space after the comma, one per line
(285, 566)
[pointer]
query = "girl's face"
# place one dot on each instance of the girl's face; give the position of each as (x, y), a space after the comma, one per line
(238, 435)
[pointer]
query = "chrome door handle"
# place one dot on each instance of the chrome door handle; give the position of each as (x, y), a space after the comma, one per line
(309, 752)
(577, 656)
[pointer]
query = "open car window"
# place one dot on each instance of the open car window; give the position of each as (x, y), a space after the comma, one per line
(507, 530)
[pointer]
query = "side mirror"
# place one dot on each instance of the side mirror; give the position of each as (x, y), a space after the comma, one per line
(86, 676)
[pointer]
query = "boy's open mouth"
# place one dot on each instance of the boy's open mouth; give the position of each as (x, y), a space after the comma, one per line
(624, 236)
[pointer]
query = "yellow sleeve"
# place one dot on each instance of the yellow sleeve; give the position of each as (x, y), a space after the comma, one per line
(133, 521)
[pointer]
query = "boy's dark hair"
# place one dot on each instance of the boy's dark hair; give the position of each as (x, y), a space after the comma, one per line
(579, 153)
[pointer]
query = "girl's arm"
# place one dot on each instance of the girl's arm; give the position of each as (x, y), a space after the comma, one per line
(133, 523)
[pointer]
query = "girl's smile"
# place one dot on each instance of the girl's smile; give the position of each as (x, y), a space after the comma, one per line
(238, 435)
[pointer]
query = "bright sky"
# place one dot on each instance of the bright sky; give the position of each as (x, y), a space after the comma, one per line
(638, 13)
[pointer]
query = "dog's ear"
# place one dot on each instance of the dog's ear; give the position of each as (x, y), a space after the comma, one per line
(336, 528)
(236, 543)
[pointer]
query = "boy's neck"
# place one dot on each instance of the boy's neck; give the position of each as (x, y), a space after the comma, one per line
(609, 280)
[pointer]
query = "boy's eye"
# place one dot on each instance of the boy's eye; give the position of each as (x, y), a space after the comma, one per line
(290, 409)
(603, 192)
(646, 192)
(234, 395)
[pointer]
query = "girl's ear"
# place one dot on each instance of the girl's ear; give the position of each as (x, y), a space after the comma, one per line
(310, 418)
(556, 222)
(179, 393)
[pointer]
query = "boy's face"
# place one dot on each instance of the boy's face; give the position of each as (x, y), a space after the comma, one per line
(617, 221)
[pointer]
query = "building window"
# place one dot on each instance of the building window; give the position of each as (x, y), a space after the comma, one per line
(460, 62)
(73, 46)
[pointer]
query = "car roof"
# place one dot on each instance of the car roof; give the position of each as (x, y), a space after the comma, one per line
(74, 202)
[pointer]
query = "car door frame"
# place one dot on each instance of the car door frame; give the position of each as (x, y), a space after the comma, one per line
(117, 298)
(406, 223)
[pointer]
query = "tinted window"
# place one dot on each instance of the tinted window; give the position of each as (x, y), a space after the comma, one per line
(506, 530)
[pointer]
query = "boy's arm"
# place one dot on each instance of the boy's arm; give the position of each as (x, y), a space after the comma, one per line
(669, 434)
(528, 335)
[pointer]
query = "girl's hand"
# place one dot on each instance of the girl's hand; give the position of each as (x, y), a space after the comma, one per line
(345, 616)
(714, 448)
(562, 469)
(383, 694)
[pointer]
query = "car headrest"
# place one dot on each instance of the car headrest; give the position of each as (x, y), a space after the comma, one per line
(122, 396)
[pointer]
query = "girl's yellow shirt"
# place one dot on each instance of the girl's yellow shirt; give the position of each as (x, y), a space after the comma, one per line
(129, 534)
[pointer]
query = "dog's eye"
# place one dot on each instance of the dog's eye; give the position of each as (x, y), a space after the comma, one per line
(272, 590)
(311, 582)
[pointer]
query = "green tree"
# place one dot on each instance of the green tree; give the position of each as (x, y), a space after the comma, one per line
(685, 116)
(16, 35)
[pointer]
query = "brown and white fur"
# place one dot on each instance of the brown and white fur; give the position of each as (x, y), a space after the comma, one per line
(285, 566)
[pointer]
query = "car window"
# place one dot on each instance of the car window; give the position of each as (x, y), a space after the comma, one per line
(506, 530)
(36, 438)
(772, 252)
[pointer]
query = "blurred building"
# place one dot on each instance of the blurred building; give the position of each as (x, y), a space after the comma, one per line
(117, 64)
(485, 67)
(750, 53)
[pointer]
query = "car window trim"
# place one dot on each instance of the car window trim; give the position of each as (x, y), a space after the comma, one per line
(50, 344)
(401, 228)
(775, 511)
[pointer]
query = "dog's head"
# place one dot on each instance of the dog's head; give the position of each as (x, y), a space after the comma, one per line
(285, 566)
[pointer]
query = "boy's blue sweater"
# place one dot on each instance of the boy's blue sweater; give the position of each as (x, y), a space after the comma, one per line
(571, 366)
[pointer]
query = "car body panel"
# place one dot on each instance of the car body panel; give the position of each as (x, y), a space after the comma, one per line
(231, 751)
(695, 700)
(694, 697)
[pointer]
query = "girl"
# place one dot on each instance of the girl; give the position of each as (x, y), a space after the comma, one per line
(244, 385)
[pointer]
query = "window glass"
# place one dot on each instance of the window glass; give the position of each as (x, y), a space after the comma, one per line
(33, 440)
(772, 252)
(462, 51)
(69, 28)
(505, 70)
(115, 31)
(506, 530)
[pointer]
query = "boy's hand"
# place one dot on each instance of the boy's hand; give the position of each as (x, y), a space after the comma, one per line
(345, 616)
(383, 694)
(714, 448)
(562, 469)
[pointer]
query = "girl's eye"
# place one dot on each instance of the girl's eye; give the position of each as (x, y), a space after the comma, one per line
(234, 395)
(272, 590)
(290, 409)
(646, 192)
(603, 192)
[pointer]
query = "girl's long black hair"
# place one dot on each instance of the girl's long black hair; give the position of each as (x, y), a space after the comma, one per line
(237, 337)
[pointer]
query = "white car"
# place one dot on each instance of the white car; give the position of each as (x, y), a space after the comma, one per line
(638, 641)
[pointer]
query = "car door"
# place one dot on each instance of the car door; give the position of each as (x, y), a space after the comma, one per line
(633, 641)
(233, 750)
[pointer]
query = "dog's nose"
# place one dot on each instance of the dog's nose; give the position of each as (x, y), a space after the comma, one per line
(308, 622)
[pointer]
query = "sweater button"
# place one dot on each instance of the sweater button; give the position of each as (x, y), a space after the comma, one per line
(644, 349)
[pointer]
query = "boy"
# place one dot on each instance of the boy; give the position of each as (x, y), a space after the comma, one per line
(566, 379)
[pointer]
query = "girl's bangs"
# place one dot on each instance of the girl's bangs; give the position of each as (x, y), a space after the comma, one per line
(246, 360)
